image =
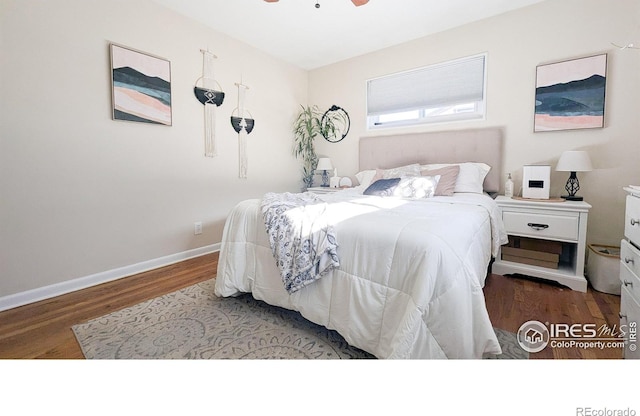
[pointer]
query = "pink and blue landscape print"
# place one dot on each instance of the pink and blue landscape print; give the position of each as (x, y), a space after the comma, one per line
(570, 95)
(141, 86)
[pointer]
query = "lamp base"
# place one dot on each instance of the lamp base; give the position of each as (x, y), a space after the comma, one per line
(572, 198)
(325, 179)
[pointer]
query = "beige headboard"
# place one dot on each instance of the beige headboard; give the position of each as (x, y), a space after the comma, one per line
(455, 146)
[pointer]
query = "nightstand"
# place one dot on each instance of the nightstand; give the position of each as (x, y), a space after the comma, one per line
(547, 240)
(323, 190)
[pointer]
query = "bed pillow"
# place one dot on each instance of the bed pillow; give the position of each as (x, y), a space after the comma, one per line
(408, 170)
(470, 178)
(382, 187)
(416, 187)
(448, 178)
(367, 177)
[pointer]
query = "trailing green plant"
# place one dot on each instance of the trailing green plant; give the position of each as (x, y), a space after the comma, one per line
(305, 129)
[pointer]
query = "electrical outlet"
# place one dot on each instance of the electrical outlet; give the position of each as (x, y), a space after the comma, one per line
(197, 228)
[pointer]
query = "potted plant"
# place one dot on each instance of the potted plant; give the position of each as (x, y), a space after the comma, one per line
(305, 128)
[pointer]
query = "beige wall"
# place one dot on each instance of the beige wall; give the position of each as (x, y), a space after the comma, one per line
(82, 194)
(516, 43)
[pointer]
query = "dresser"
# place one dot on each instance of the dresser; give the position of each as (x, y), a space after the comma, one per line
(559, 226)
(630, 274)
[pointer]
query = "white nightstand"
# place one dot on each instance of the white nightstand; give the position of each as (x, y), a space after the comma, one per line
(563, 222)
(322, 190)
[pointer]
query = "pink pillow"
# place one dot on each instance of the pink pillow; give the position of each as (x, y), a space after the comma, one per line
(447, 182)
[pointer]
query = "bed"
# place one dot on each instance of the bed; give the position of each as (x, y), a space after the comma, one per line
(411, 271)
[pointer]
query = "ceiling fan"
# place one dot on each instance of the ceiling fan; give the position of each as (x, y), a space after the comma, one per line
(355, 2)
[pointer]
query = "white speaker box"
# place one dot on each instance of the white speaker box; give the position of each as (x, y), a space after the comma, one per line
(535, 181)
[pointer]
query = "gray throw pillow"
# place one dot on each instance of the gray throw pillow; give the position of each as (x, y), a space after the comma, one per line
(382, 187)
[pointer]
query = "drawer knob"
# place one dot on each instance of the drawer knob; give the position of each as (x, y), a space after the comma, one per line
(634, 222)
(622, 315)
(628, 260)
(627, 283)
(538, 227)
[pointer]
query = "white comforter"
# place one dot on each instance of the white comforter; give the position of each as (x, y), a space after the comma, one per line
(410, 279)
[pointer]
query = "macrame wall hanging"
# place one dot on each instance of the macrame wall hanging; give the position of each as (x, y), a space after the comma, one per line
(242, 123)
(211, 96)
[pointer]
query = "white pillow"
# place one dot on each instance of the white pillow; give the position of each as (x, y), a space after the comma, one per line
(470, 178)
(416, 187)
(365, 177)
(408, 170)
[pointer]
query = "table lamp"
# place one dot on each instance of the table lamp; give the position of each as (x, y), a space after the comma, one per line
(573, 161)
(324, 165)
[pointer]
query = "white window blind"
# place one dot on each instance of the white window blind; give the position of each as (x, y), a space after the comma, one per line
(437, 86)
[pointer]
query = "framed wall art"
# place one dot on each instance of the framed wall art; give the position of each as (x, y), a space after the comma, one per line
(570, 94)
(141, 86)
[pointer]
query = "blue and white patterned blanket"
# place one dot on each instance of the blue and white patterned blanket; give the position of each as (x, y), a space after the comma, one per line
(303, 243)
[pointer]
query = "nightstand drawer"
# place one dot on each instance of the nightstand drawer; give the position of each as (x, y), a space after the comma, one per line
(630, 259)
(563, 227)
(629, 318)
(632, 219)
(630, 282)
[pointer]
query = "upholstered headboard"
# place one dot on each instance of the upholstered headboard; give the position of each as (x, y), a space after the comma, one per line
(455, 146)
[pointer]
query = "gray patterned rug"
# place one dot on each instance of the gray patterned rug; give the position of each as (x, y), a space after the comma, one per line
(193, 323)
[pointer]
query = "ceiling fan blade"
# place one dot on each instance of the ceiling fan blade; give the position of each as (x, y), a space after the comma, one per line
(271, 1)
(359, 2)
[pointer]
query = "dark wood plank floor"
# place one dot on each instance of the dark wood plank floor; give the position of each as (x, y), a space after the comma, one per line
(43, 329)
(514, 300)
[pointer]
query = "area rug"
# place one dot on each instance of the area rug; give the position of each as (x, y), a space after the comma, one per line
(193, 323)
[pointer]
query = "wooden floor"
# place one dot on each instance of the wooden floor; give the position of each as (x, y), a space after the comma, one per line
(512, 301)
(43, 329)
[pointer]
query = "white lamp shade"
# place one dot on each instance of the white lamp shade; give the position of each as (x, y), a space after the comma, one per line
(324, 163)
(574, 161)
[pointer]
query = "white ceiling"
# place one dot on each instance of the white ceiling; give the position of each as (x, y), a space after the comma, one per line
(309, 37)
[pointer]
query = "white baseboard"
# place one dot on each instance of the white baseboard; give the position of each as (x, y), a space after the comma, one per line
(47, 292)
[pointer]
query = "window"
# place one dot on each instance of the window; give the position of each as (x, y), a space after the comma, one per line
(450, 91)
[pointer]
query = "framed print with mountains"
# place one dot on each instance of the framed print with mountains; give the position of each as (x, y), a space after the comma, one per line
(141, 86)
(570, 94)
